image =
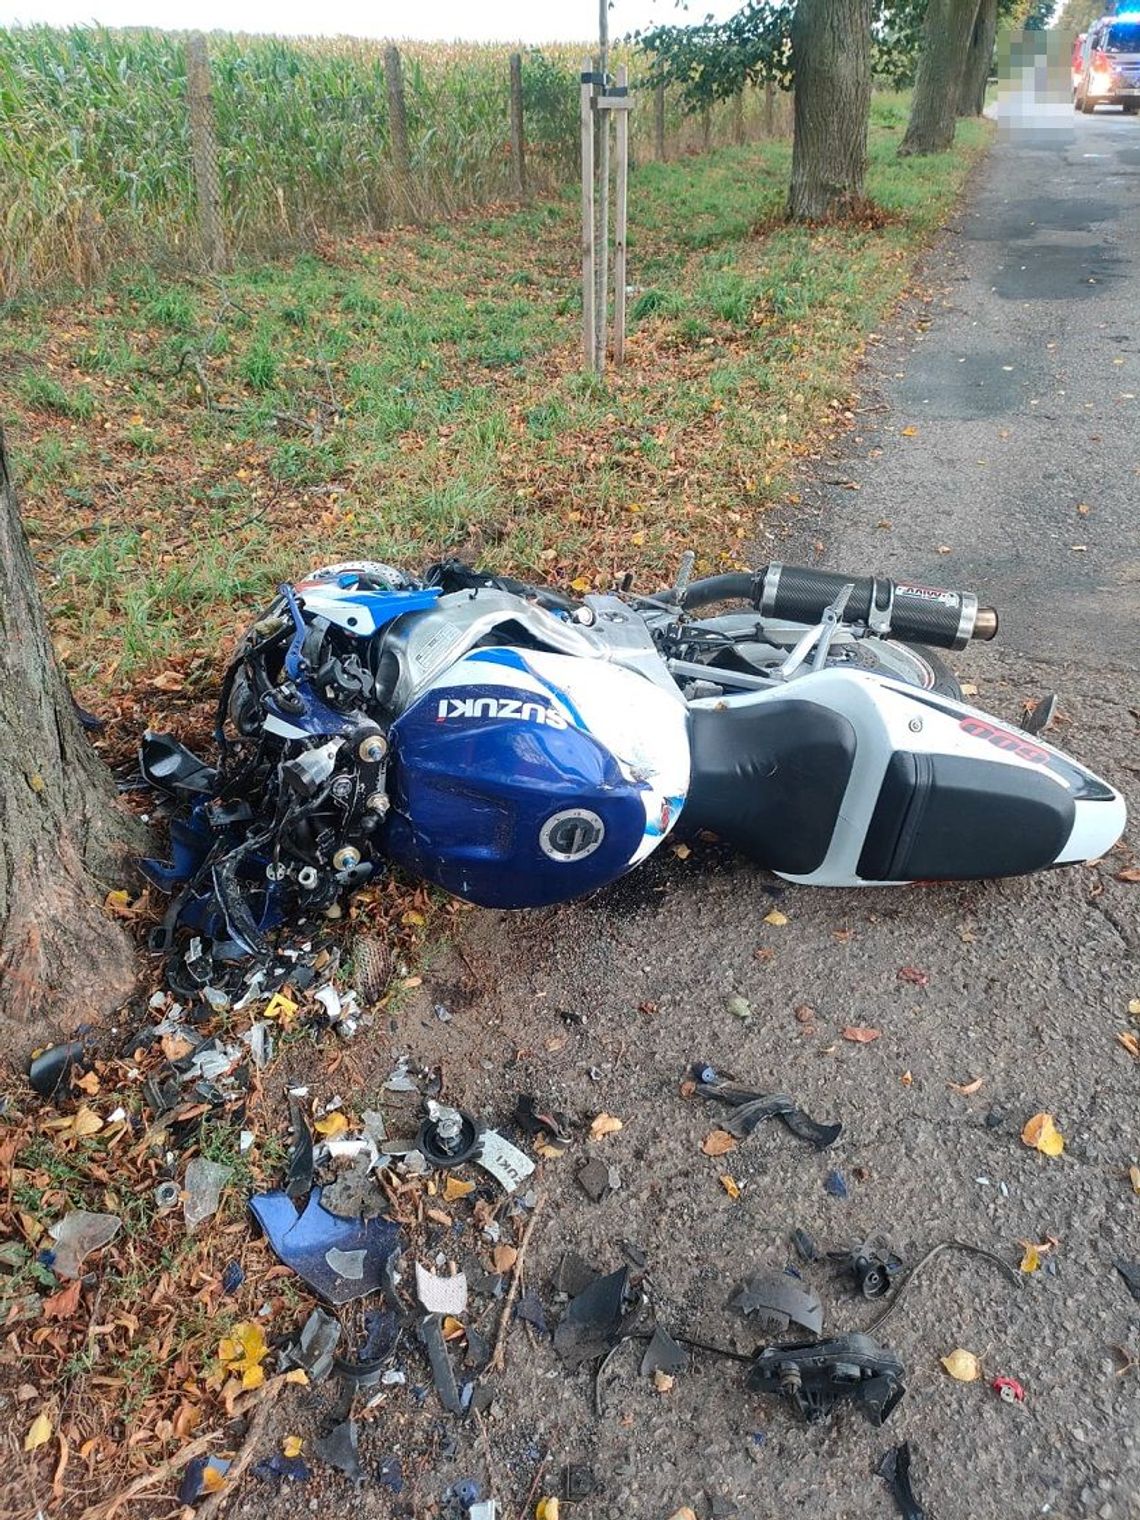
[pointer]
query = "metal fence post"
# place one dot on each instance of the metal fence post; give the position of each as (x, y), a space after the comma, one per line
(659, 119)
(588, 245)
(621, 223)
(518, 142)
(398, 126)
(204, 149)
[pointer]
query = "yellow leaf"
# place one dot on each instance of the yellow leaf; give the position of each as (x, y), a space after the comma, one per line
(963, 1366)
(86, 1122)
(730, 1185)
(39, 1432)
(412, 918)
(291, 1446)
(332, 1124)
(454, 1189)
(1134, 1178)
(1031, 1260)
(682, 851)
(252, 1377)
(298, 1375)
(603, 1125)
(547, 1509)
(909, 432)
(1043, 1135)
(212, 1478)
(580, 584)
(776, 918)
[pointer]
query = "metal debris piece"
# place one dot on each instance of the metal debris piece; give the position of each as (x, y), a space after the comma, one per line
(574, 1274)
(509, 1166)
(894, 1469)
(202, 1191)
(52, 1069)
(593, 1320)
(596, 1179)
(871, 1269)
(752, 1108)
(448, 1136)
(776, 1301)
(302, 1241)
(76, 1235)
(441, 1295)
(805, 1245)
(339, 1450)
(443, 1374)
(399, 1080)
(167, 1196)
(663, 1355)
(315, 1348)
(816, 1377)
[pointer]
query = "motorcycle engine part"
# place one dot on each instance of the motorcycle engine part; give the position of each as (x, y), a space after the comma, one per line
(523, 777)
(170, 767)
(166, 1196)
(52, 1069)
(448, 1136)
(776, 1300)
(894, 1469)
(815, 1378)
(871, 1271)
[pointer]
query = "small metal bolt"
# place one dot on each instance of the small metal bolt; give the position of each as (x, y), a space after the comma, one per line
(915, 725)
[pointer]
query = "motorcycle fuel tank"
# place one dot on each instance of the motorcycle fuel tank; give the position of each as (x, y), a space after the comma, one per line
(521, 777)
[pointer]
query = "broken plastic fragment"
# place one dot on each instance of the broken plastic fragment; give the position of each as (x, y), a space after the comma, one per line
(303, 1240)
(663, 1355)
(776, 1302)
(1009, 1390)
(202, 1190)
(203, 1475)
(871, 1270)
(339, 1450)
(894, 1469)
(52, 1069)
(1130, 1271)
(752, 1108)
(316, 1346)
(441, 1295)
(443, 1374)
(509, 1166)
(348, 1264)
(816, 1377)
(78, 1234)
(299, 1177)
(594, 1319)
(835, 1184)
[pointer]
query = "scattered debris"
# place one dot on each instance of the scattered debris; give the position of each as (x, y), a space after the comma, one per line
(663, 1354)
(78, 1234)
(1009, 1390)
(339, 1450)
(304, 1240)
(577, 1482)
(776, 1301)
(835, 1184)
(203, 1190)
(1130, 1271)
(871, 1270)
(443, 1374)
(596, 1179)
(806, 1248)
(315, 1349)
(593, 1321)
(441, 1295)
(752, 1108)
(894, 1469)
(814, 1378)
(52, 1070)
(202, 1476)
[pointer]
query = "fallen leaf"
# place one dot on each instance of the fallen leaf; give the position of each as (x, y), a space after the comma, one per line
(1134, 1007)
(906, 1079)
(684, 1513)
(547, 1509)
(291, 1446)
(1134, 1178)
(909, 432)
(412, 918)
(963, 1366)
(332, 1124)
(859, 1034)
(776, 918)
(1130, 1041)
(805, 1013)
(966, 1089)
(913, 975)
(118, 904)
(298, 1375)
(730, 1185)
(581, 584)
(243, 1351)
(662, 1381)
(455, 1188)
(39, 1432)
(503, 1258)
(682, 851)
(603, 1125)
(1043, 1135)
(718, 1143)
(63, 1305)
(452, 1328)
(168, 680)
(1082, 508)
(1031, 1257)
(1130, 874)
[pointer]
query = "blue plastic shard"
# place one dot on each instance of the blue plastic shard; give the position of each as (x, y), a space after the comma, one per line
(304, 1241)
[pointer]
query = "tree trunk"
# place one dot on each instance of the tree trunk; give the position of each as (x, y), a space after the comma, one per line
(63, 835)
(972, 95)
(942, 61)
(831, 49)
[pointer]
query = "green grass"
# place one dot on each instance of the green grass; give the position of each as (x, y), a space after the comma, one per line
(419, 397)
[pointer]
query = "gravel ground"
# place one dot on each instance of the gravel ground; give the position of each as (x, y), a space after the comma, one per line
(1012, 376)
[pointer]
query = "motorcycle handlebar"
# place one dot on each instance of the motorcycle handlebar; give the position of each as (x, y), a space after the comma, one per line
(903, 610)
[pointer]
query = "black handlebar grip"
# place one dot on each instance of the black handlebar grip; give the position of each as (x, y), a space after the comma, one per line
(902, 609)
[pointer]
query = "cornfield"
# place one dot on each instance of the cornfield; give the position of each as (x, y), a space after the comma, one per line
(95, 161)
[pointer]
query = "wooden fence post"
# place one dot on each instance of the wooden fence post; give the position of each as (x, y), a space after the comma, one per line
(588, 247)
(769, 109)
(518, 162)
(659, 119)
(738, 117)
(621, 220)
(398, 126)
(204, 149)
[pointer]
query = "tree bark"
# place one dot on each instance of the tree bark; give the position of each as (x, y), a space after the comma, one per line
(831, 50)
(63, 834)
(979, 56)
(941, 64)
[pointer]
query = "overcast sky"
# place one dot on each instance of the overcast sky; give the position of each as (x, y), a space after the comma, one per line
(429, 20)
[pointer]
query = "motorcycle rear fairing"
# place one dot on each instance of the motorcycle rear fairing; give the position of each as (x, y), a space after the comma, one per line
(521, 777)
(930, 789)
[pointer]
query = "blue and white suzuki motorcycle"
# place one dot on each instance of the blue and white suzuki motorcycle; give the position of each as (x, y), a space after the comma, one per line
(519, 748)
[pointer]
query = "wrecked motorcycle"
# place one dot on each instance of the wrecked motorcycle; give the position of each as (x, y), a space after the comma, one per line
(520, 748)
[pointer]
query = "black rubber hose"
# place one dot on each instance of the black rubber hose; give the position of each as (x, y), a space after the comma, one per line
(737, 586)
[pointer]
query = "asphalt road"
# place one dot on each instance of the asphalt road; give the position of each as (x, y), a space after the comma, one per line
(1021, 376)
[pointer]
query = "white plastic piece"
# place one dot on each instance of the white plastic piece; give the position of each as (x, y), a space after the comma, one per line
(509, 1166)
(441, 1295)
